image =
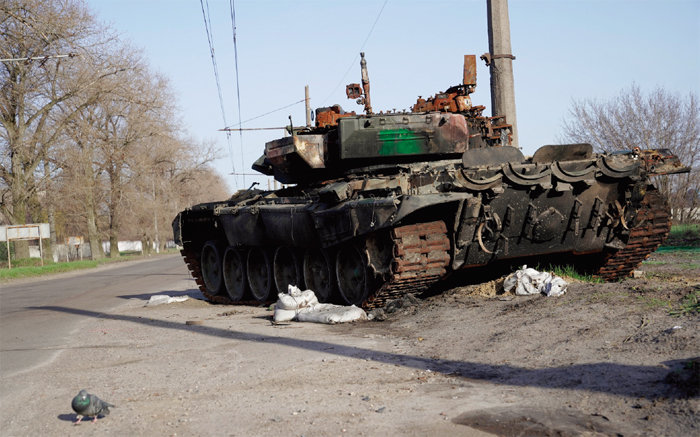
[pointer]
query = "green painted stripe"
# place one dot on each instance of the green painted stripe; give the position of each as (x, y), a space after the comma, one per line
(400, 142)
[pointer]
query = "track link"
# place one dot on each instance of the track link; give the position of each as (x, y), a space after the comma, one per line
(653, 223)
(421, 257)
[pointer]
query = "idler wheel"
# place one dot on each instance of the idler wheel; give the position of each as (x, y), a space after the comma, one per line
(259, 270)
(234, 271)
(352, 274)
(319, 273)
(287, 269)
(211, 268)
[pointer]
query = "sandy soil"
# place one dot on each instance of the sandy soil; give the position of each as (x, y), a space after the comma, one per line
(604, 359)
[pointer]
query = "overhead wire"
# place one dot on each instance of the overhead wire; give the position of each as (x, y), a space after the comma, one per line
(267, 113)
(210, 38)
(354, 61)
(238, 88)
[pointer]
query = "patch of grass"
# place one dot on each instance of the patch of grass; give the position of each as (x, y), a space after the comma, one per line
(570, 272)
(688, 266)
(690, 304)
(690, 250)
(48, 268)
(692, 229)
(654, 262)
(684, 235)
(31, 267)
(654, 302)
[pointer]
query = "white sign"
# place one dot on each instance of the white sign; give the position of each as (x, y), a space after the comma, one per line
(25, 232)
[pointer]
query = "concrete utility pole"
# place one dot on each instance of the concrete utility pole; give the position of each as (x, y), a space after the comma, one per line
(501, 62)
(307, 104)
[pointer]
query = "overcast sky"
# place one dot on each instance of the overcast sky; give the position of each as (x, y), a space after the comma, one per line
(565, 50)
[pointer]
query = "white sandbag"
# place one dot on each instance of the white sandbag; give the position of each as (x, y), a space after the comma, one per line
(528, 281)
(304, 307)
(555, 287)
(331, 314)
(282, 315)
(295, 298)
(160, 299)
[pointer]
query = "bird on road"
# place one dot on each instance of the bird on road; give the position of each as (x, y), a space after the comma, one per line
(89, 405)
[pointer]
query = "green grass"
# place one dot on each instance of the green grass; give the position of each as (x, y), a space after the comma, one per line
(691, 250)
(31, 267)
(654, 302)
(654, 262)
(690, 304)
(684, 236)
(685, 229)
(569, 271)
(27, 271)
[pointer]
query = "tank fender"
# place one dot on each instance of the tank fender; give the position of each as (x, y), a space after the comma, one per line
(413, 204)
(353, 218)
(364, 216)
(491, 156)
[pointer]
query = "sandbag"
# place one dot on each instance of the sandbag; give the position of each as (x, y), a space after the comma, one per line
(304, 307)
(528, 281)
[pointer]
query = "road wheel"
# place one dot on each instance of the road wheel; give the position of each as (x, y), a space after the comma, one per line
(287, 269)
(319, 273)
(353, 275)
(211, 268)
(234, 272)
(259, 269)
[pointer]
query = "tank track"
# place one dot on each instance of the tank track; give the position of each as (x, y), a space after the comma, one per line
(653, 223)
(421, 256)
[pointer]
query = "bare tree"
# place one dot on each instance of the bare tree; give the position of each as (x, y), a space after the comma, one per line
(42, 43)
(90, 138)
(657, 120)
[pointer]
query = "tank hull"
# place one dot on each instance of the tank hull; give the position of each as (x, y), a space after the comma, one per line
(372, 236)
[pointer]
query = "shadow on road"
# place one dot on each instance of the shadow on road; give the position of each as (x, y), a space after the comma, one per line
(629, 380)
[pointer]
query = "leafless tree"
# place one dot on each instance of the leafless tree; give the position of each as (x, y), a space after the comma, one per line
(657, 120)
(90, 141)
(42, 43)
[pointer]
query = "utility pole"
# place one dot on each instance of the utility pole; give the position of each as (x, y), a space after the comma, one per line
(307, 104)
(500, 61)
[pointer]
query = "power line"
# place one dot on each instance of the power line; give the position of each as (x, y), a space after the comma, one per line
(210, 38)
(354, 61)
(238, 88)
(267, 113)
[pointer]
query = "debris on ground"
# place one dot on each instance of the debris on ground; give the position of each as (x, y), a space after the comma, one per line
(160, 299)
(528, 281)
(303, 306)
(404, 302)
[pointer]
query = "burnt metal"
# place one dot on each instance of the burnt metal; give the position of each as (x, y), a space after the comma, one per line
(392, 203)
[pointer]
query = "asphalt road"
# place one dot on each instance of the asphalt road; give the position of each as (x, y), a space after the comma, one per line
(32, 329)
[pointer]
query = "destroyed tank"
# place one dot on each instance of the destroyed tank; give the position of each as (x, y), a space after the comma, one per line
(378, 205)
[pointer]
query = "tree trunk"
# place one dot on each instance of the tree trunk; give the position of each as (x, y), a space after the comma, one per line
(93, 234)
(114, 199)
(50, 212)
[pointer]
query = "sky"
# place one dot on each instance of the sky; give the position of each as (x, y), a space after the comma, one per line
(566, 51)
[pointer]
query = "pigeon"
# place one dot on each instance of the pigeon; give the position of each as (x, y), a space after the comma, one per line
(86, 405)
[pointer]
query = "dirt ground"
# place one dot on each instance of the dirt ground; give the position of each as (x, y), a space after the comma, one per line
(604, 359)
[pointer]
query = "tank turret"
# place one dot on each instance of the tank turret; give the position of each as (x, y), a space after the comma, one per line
(441, 127)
